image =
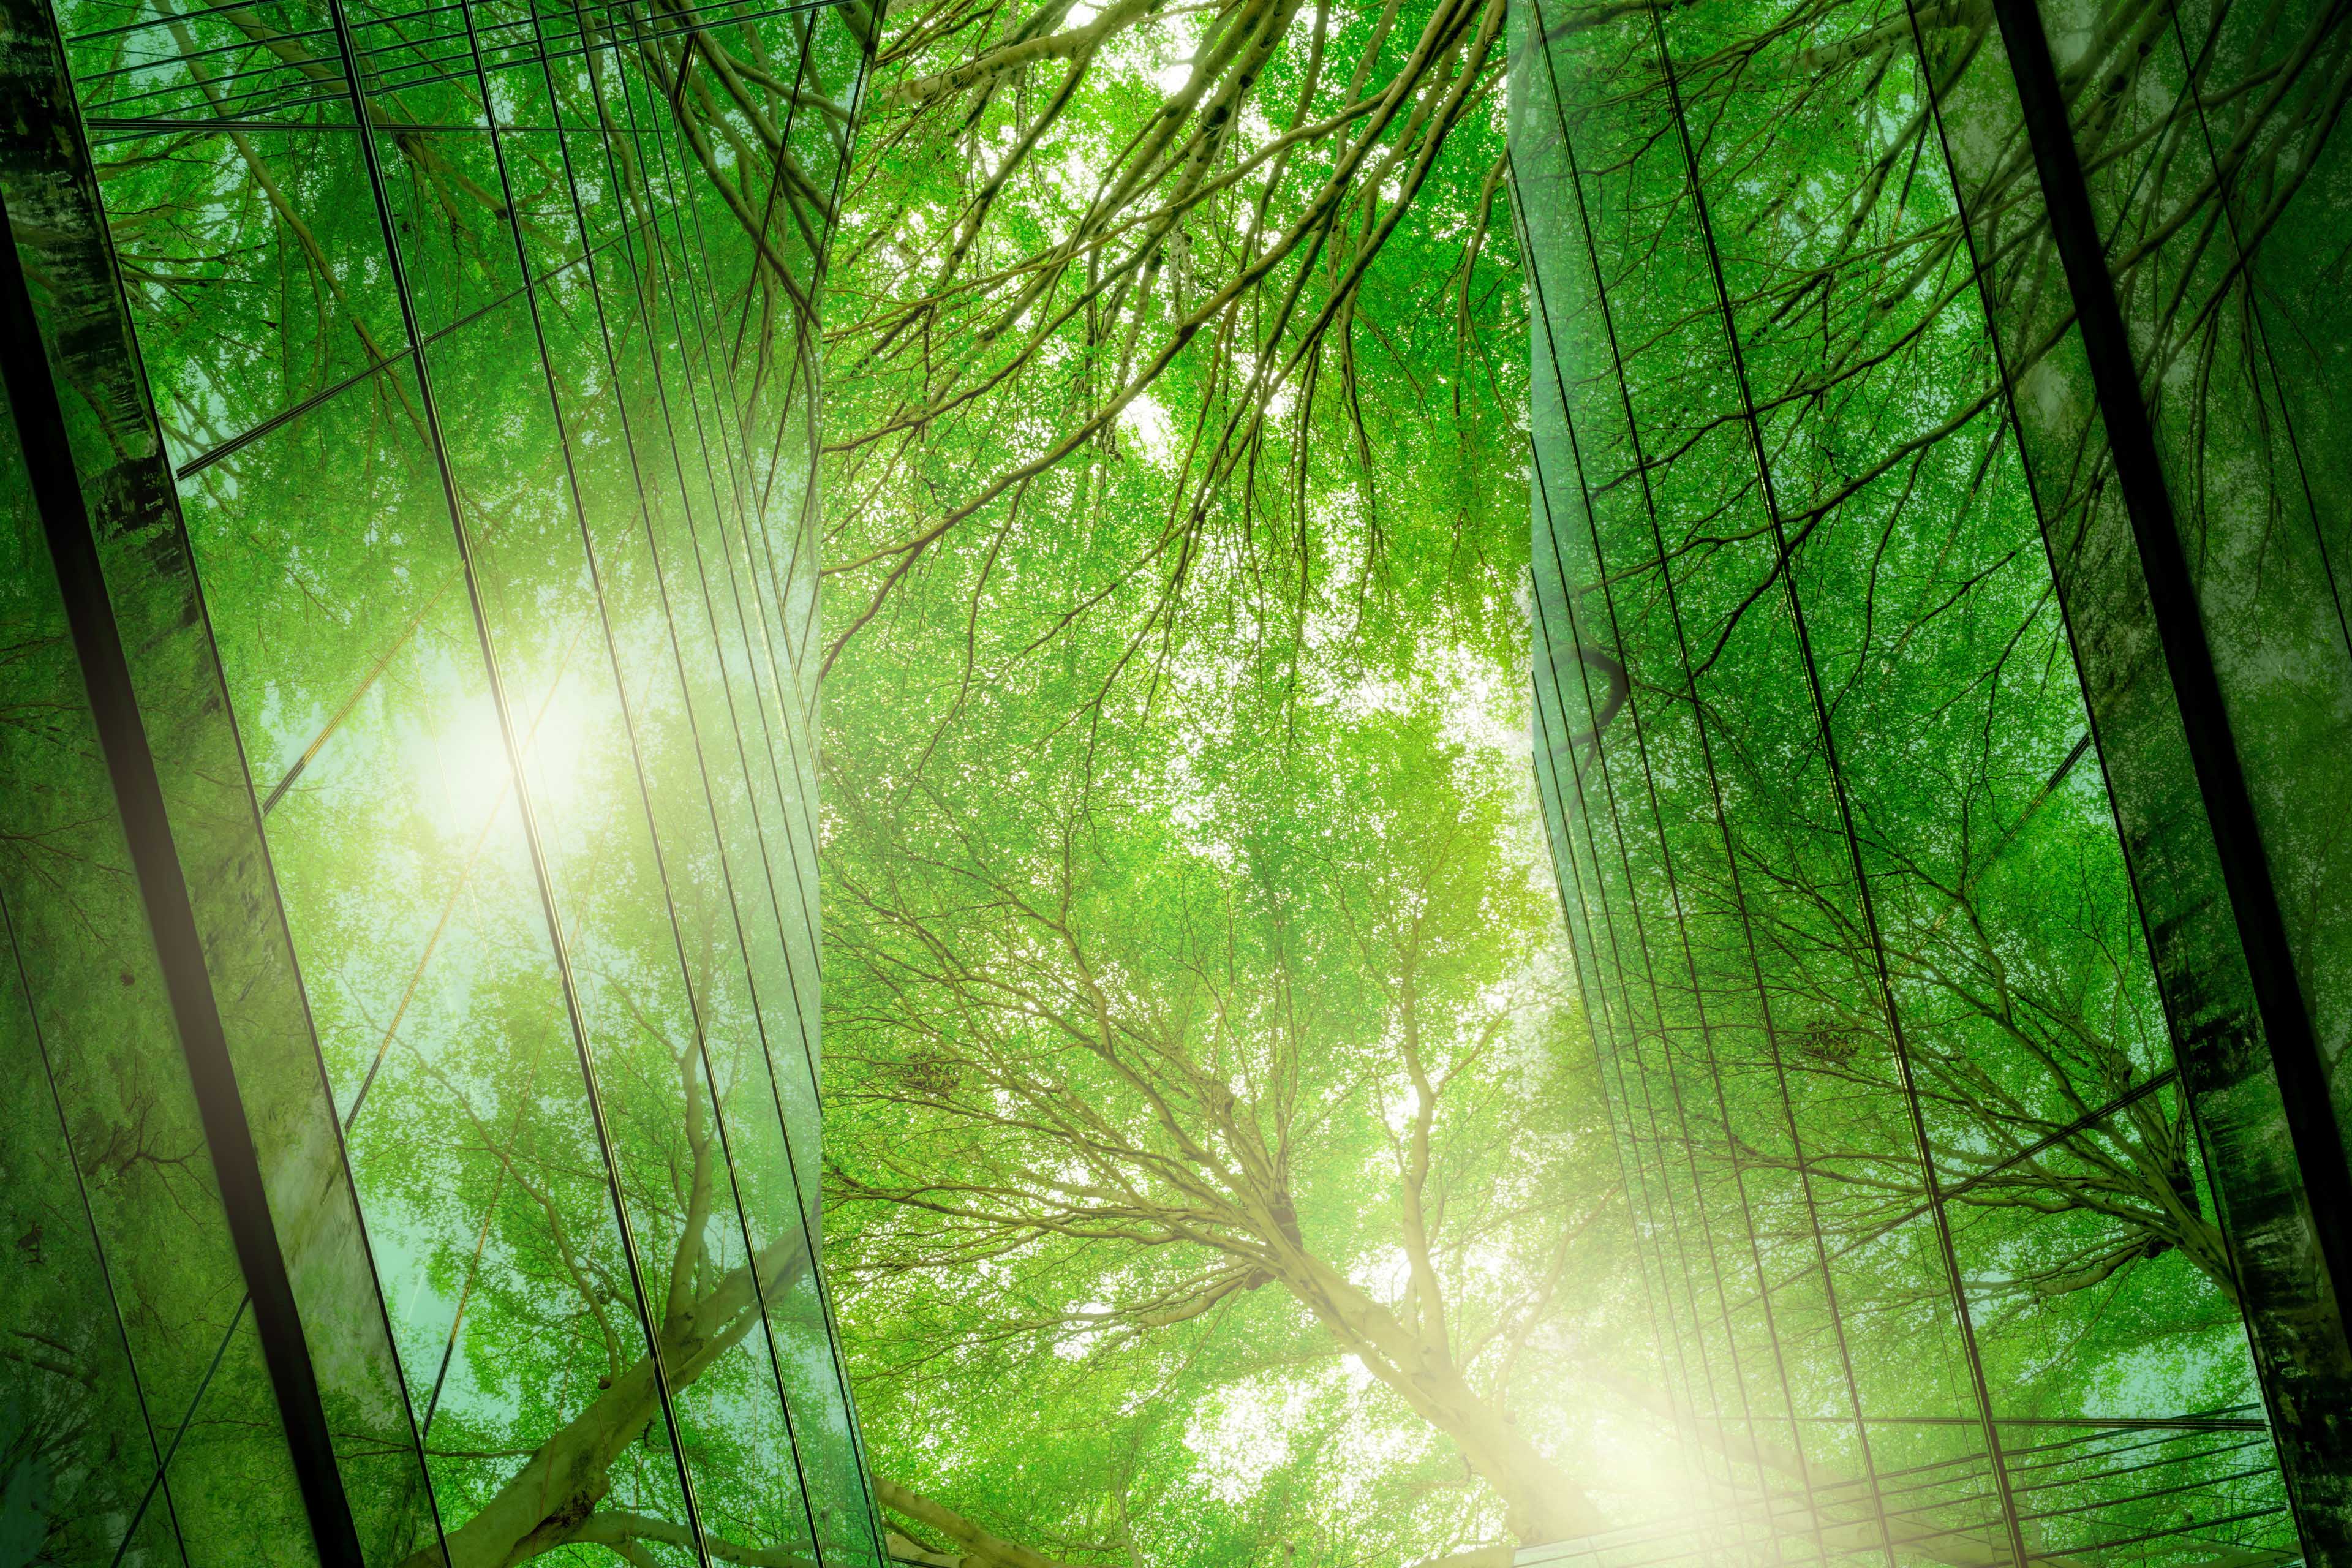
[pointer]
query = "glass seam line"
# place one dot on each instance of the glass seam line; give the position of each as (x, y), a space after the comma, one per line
(1642, 1207)
(677, 213)
(1624, 1129)
(805, 529)
(737, 451)
(345, 1182)
(271, 95)
(1545, 763)
(659, 259)
(1641, 942)
(1658, 1187)
(1837, 1323)
(1598, 900)
(1987, 303)
(2228, 191)
(158, 1459)
(2293, 1046)
(695, 386)
(2087, 1122)
(1748, 1415)
(1657, 996)
(1641, 466)
(561, 955)
(1636, 1177)
(1626, 1186)
(179, 1434)
(696, 1006)
(1866, 903)
(1646, 977)
(171, 916)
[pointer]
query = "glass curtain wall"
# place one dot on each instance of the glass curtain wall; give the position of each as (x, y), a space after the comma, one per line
(408, 971)
(1936, 497)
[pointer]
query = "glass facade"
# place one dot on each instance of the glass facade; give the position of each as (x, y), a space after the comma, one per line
(409, 997)
(1941, 704)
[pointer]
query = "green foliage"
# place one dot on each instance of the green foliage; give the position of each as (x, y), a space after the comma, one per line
(1176, 818)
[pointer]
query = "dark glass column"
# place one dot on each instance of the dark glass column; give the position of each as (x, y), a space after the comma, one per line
(406, 751)
(1946, 1036)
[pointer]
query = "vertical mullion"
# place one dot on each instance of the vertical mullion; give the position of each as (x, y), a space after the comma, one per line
(1658, 1139)
(628, 716)
(751, 1248)
(1644, 947)
(726, 856)
(2293, 1047)
(512, 745)
(1730, 852)
(1690, 958)
(1627, 1134)
(2325, 1210)
(1957, 1284)
(685, 211)
(1618, 1138)
(171, 914)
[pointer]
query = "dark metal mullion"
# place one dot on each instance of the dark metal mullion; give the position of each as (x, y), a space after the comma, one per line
(1634, 712)
(1955, 1283)
(644, 787)
(2293, 1047)
(1723, 823)
(539, 874)
(170, 916)
(2077, 230)
(1632, 1177)
(1598, 898)
(686, 693)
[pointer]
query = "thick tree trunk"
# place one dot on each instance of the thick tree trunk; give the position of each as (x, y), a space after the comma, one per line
(982, 1548)
(1540, 1502)
(555, 1493)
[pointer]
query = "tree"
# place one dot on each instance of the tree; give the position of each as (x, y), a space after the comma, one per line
(1138, 1039)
